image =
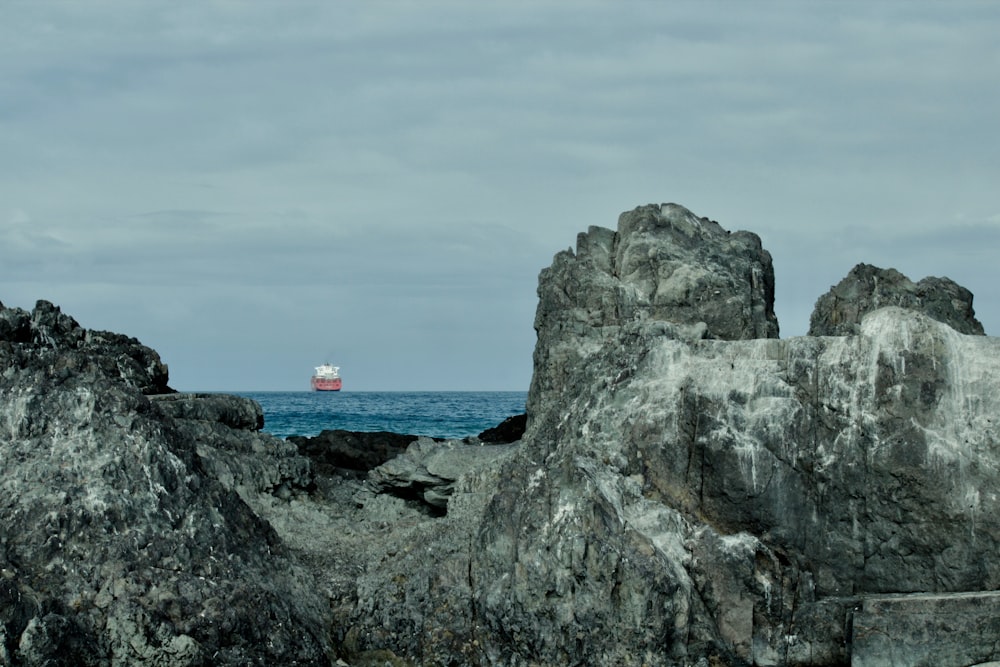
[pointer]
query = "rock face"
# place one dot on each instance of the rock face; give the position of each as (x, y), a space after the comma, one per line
(664, 267)
(681, 498)
(867, 288)
(119, 544)
(689, 490)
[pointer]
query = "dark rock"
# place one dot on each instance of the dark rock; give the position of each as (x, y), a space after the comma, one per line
(867, 288)
(351, 450)
(926, 629)
(47, 333)
(507, 431)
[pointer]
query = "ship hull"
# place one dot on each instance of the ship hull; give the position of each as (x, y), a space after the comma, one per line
(321, 384)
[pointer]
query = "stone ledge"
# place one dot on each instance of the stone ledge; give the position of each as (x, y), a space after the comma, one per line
(932, 629)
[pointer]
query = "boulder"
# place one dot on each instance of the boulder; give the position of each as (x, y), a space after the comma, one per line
(428, 469)
(681, 496)
(867, 288)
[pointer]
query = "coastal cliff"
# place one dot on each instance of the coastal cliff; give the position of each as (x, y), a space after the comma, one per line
(688, 489)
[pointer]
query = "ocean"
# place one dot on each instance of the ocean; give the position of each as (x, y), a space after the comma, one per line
(439, 414)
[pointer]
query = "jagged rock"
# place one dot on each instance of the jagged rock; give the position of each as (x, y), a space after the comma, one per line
(232, 411)
(428, 470)
(507, 431)
(336, 449)
(741, 488)
(224, 430)
(665, 270)
(680, 499)
(47, 332)
(689, 490)
(118, 546)
(867, 288)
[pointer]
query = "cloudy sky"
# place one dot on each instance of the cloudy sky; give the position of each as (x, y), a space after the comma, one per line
(254, 188)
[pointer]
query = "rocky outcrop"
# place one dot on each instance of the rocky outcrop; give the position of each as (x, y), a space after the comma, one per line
(51, 334)
(119, 543)
(508, 431)
(726, 496)
(867, 288)
(687, 490)
(428, 470)
(665, 271)
(338, 450)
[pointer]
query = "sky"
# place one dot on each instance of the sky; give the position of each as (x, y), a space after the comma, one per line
(255, 188)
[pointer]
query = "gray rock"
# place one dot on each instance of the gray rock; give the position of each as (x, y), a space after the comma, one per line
(118, 546)
(46, 333)
(926, 629)
(689, 490)
(428, 469)
(679, 498)
(666, 272)
(232, 411)
(731, 494)
(867, 288)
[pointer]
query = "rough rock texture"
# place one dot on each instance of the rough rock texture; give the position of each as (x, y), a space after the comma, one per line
(679, 499)
(118, 544)
(736, 499)
(47, 328)
(689, 491)
(664, 267)
(337, 449)
(867, 288)
(428, 470)
(926, 629)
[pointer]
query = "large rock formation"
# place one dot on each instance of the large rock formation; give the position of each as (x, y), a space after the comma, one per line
(867, 288)
(664, 267)
(689, 489)
(119, 544)
(680, 498)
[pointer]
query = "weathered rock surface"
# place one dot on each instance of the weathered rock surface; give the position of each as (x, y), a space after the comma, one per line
(688, 490)
(664, 265)
(867, 288)
(347, 450)
(118, 545)
(926, 629)
(428, 470)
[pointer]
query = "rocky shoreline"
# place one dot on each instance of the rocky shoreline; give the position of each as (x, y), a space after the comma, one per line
(685, 489)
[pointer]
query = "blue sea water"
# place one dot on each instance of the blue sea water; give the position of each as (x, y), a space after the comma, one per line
(439, 414)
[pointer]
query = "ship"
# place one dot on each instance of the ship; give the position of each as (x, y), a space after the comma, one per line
(326, 378)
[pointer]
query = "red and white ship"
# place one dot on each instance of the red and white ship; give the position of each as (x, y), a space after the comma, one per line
(326, 378)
